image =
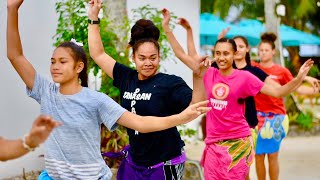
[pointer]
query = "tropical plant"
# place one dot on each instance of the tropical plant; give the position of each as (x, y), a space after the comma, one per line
(314, 71)
(304, 119)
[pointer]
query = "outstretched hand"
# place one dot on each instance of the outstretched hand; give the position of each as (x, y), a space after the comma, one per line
(193, 111)
(41, 129)
(304, 69)
(94, 8)
(14, 3)
(184, 23)
(314, 82)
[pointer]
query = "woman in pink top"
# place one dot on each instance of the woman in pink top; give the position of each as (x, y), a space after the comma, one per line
(229, 148)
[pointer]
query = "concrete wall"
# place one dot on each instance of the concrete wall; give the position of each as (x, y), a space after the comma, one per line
(17, 111)
(37, 26)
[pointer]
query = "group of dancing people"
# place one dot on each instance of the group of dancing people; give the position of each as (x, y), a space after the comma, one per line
(241, 101)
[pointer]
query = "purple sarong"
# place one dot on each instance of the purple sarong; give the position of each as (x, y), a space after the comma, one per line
(128, 170)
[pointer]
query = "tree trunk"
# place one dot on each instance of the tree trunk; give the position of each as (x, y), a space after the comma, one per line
(295, 58)
(116, 13)
(272, 25)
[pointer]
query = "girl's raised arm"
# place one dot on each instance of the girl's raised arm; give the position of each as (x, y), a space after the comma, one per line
(14, 47)
(190, 41)
(197, 64)
(176, 47)
(103, 60)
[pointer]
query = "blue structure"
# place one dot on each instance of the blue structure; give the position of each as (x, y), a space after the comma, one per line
(211, 26)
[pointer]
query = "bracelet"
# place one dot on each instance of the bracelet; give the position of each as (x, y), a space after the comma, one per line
(25, 145)
(93, 21)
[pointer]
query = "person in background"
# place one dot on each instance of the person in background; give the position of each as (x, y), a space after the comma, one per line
(273, 123)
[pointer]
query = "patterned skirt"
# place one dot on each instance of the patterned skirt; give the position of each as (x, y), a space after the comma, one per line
(228, 159)
(270, 132)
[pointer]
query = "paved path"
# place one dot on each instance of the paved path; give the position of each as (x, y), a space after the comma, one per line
(299, 158)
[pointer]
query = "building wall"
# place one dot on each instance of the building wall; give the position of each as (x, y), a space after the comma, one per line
(17, 111)
(38, 22)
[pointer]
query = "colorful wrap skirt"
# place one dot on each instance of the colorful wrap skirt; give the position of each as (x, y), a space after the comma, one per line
(228, 159)
(270, 132)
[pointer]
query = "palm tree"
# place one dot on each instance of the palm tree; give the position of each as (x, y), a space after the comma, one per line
(116, 13)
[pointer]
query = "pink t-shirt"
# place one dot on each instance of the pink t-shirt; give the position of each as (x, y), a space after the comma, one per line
(226, 119)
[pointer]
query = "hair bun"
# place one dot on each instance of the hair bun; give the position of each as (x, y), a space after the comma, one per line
(268, 36)
(144, 29)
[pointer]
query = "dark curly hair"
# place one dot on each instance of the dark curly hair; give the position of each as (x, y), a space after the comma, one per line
(270, 38)
(144, 31)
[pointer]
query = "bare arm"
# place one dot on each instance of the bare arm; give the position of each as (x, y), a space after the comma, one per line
(306, 90)
(199, 92)
(41, 129)
(11, 149)
(271, 82)
(284, 90)
(176, 47)
(103, 60)
(190, 41)
(145, 124)
(313, 81)
(14, 47)
(300, 89)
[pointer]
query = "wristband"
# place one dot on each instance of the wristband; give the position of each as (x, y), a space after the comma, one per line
(25, 145)
(94, 22)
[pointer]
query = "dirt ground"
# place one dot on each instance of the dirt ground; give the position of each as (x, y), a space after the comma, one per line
(299, 158)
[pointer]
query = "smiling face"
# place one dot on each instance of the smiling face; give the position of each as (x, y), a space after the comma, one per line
(63, 67)
(224, 54)
(147, 59)
(266, 52)
(242, 50)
